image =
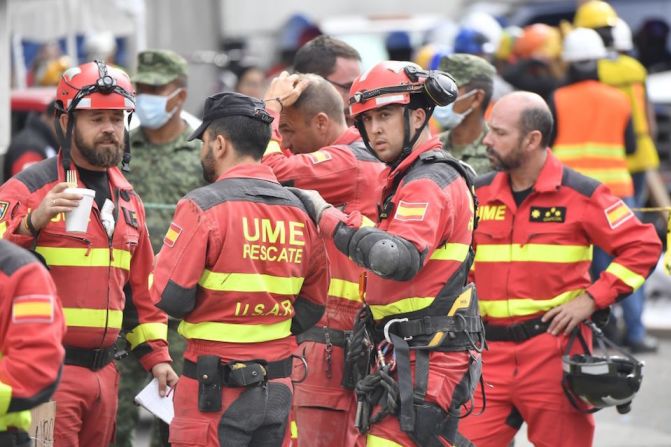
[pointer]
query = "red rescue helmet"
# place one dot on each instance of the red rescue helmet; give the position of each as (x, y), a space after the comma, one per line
(393, 82)
(94, 85)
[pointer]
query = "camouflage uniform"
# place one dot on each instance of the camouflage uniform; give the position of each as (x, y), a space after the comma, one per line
(466, 68)
(161, 174)
(475, 153)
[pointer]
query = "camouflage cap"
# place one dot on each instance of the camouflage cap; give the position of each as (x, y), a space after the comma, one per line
(159, 67)
(465, 68)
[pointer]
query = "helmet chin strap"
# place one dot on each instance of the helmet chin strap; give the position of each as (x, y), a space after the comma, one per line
(408, 142)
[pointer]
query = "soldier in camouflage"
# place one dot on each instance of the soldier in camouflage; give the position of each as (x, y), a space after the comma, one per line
(164, 168)
(464, 119)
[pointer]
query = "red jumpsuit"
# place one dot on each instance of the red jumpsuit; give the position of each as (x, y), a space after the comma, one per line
(529, 259)
(31, 332)
(348, 176)
(245, 268)
(432, 210)
(97, 277)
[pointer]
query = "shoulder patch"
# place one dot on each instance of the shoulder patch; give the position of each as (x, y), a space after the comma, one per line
(485, 179)
(33, 309)
(319, 157)
(578, 182)
(411, 211)
(3, 209)
(617, 214)
(39, 174)
(172, 235)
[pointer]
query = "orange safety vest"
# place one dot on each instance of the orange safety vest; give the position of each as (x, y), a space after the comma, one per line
(591, 121)
(628, 75)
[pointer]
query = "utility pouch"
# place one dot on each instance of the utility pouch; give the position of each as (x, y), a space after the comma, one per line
(433, 424)
(208, 373)
(245, 374)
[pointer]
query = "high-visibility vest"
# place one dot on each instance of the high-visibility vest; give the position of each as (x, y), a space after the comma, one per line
(628, 75)
(591, 121)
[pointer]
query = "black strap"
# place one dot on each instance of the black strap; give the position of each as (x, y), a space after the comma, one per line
(405, 388)
(15, 438)
(325, 336)
(93, 359)
(431, 324)
(274, 370)
(517, 332)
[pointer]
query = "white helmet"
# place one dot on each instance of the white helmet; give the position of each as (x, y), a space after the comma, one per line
(583, 44)
(622, 40)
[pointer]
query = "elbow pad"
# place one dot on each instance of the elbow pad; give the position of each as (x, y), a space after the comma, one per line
(388, 256)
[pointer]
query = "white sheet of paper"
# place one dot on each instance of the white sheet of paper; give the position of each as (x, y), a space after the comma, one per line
(161, 407)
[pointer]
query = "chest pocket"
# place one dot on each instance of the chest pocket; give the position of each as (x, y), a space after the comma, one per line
(127, 228)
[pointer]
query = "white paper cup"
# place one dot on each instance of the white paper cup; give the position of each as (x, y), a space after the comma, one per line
(77, 220)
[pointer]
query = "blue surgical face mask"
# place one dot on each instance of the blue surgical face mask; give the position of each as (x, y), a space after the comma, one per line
(151, 111)
(447, 117)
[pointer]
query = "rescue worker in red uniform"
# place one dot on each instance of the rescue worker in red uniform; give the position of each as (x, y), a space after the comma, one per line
(243, 266)
(101, 274)
(419, 255)
(538, 222)
(330, 158)
(31, 333)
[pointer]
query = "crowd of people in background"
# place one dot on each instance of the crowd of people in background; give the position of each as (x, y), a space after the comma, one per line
(588, 77)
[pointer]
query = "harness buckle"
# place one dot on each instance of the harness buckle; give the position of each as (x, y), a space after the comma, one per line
(391, 323)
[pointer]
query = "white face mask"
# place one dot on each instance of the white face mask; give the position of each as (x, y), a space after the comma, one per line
(151, 111)
(447, 117)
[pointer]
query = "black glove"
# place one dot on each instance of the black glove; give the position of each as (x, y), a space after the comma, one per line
(314, 203)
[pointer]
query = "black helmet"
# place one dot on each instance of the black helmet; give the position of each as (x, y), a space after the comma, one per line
(600, 381)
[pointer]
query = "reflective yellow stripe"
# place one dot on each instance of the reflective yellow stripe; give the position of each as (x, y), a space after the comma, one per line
(235, 333)
(580, 151)
(294, 430)
(5, 397)
(533, 253)
(366, 222)
(82, 317)
(344, 289)
(146, 332)
(83, 257)
(519, 307)
(376, 441)
(632, 279)
(450, 252)
(250, 282)
(272, 147)
(3, 229)
(19, 419)
(400, 307)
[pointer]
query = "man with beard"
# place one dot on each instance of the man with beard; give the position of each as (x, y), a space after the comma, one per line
(538, 222)
(245, 269)
(101, 274)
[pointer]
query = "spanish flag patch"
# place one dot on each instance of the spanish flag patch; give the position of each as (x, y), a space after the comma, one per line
(33, 309)
(407, 211)
(3, 209)
(617, 214)
(319, 157)
(172, 235)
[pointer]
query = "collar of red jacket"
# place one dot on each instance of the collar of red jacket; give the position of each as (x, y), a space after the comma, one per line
(431, 144)
(348, 137)
(250, 170)
(116, 178)
(549, 179)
